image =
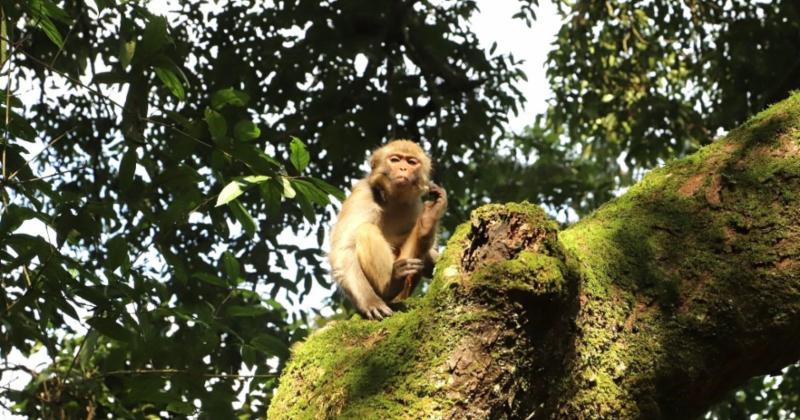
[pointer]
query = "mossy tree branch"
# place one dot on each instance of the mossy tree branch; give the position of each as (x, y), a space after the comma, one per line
(653, 307)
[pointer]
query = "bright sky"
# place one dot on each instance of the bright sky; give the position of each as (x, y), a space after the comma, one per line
(492, 24)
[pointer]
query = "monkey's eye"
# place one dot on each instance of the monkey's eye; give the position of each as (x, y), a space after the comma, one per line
(412, 161)
(394, 159)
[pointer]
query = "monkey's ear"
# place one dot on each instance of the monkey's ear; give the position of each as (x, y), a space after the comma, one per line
(376, 158)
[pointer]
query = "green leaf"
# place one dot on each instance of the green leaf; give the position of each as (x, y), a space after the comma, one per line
(231, 265)
(52, 10)
(271, 345)
(328, 188)
(299, 155)
(89, 344)
(117, 253)
(109, 328)
(608, 97)
(256, 179)
(49, 28)
(305, 206)
(243, 216)
(155, 37)
(171, 81)
(249, 355)
(181, 407)
(311, 191)
(229, 96)
(246, 311)
(210, 279)
(288, 191)
(217, 125)
(104, 4)
(246, 130)
(271, 193)
(127, 168)
(126, 53)
(229, 193)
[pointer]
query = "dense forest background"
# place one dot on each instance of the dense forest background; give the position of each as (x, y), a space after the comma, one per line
(175, 155)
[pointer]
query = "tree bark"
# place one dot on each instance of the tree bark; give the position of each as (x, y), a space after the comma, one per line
(652, 307)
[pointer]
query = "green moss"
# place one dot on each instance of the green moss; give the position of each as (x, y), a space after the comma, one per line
(529, 272)
(533, 213)
(361, 366)
(448, 267)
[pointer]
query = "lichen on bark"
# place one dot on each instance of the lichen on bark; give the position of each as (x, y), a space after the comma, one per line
(652, 307)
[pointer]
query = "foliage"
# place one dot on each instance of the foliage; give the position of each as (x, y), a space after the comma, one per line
(764, 397)
(174, 155)
(637, 82)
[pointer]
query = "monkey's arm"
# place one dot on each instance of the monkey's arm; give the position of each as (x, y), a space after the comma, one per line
(353, 258)
(422, 239)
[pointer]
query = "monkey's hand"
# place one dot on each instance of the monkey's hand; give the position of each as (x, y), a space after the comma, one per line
(433, 210)
(405, 267)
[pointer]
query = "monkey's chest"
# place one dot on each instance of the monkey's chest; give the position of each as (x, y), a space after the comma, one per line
(396, 233)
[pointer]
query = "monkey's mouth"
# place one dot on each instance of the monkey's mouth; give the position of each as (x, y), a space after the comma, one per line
(402, 180)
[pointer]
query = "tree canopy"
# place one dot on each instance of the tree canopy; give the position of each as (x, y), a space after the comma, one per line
(170, 155)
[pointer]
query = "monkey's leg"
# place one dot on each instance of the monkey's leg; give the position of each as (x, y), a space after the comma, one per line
(410, 249)
(376, 258)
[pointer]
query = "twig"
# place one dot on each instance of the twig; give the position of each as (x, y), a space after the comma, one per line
(32, 158)
(66, 38)
(181, 371)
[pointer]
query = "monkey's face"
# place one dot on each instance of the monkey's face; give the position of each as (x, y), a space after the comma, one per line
(402, 169)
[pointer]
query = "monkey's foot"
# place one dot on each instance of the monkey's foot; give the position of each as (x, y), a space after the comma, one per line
(376, 310)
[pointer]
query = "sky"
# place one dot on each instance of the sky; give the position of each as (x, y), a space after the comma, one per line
(493, 23)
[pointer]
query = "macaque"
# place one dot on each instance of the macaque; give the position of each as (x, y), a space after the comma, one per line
(384, 237)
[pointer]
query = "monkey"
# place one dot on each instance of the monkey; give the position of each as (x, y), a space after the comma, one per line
(384, 236)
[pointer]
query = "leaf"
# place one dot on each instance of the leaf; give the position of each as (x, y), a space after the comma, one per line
(181, 407)
(104, 4)
(52, 10)
(231, 265)
(305, 206)
(117, 252)
(328, 188)
(109, 328)
(246, 311)
(256, 179)
(127, 168)
(171, 81)
(249, 355)
(229, 96)
(271, 345)
(288, 191)
(126, 52)
(311, 191)
(229, 193)
(608, 97)
(243, 216)
(271, 193)
(49, 28)
(210, 279)
(246, 130)
(89, 344)
(299, 155)
(155, 36)
(217, 125)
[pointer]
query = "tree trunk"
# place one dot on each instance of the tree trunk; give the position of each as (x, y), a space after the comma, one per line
(652, 307)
